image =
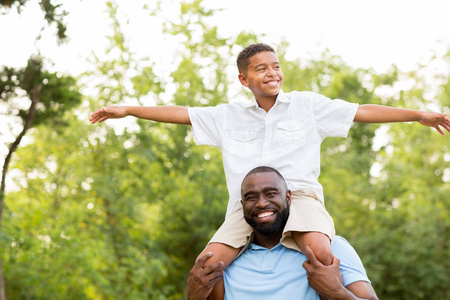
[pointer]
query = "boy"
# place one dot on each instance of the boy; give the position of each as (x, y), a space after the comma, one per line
(280, 130)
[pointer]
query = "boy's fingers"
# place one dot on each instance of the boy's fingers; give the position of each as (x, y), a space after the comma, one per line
(439, 130)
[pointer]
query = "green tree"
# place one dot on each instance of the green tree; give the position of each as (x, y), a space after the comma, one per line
(37, 85)
(50, 94)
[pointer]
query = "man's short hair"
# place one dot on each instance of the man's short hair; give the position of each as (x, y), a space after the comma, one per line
(264, 169)
(243, 59)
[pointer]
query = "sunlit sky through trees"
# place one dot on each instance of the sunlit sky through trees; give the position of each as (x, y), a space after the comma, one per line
(365, 33)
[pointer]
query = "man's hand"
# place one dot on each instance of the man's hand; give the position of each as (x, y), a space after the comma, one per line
(202, 280)
(435, 120)
(325, 280)
(108, 112)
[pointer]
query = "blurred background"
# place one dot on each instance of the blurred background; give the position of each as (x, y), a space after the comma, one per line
(120, 210)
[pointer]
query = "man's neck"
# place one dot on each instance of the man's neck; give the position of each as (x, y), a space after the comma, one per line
(267, 241)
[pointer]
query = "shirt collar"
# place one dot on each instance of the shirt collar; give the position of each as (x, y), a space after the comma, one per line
(280, 98)
(257, 247)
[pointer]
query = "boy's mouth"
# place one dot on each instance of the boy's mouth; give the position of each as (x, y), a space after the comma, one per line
(272, 82)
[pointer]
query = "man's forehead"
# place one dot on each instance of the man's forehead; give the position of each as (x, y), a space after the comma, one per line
(261, 180)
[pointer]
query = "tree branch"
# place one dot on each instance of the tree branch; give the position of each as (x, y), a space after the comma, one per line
(35, 94)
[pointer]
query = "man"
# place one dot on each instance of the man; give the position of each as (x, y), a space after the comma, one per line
(269, 270)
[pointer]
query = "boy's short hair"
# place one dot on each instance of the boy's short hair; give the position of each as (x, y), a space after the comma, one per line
(243, 59)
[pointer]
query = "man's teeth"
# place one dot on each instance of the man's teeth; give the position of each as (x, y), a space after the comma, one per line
(265, 214)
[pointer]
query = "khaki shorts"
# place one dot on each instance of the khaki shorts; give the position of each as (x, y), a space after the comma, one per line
(307, 213)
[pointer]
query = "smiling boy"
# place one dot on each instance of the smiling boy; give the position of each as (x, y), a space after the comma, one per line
(280, 130)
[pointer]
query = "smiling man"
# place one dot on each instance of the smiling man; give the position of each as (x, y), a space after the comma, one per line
(267, 269)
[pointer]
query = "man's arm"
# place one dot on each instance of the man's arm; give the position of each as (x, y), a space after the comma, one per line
(166, 114)
(202, 280)
(371, 113)
(325, 280)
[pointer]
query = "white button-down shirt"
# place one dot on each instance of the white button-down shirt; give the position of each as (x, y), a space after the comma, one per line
(287, 138)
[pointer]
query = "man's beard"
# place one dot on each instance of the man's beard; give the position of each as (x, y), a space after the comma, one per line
(270, 229)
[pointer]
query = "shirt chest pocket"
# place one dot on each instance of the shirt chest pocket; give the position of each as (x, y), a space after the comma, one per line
(291, 134)
(241, 142)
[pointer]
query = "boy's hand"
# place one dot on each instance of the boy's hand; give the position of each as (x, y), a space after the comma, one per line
(436, 120)
(108, 112)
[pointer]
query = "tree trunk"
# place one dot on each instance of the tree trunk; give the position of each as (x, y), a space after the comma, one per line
(35, 93)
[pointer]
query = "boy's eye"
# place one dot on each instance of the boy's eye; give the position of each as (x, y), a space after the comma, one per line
(261, 69)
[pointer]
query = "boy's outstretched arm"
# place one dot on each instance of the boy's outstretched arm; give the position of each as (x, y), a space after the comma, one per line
(166, 114)
(371, 113)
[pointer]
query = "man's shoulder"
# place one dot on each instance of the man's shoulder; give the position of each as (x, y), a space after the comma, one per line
(351, 266)
(341, 244)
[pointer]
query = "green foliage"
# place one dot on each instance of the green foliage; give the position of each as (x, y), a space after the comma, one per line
(121, 210)
(59, 93)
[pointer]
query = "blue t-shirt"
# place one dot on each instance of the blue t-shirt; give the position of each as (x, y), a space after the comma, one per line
(277, 273)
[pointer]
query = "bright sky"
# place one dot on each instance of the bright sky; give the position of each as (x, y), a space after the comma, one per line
(365, 33)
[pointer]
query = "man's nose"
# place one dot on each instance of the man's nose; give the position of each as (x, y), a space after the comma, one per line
(262, 202)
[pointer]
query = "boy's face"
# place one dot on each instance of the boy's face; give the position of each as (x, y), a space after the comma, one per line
(264, 77)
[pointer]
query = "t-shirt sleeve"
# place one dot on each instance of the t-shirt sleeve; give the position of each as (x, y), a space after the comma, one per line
(205, 125)
(333, 117)
(352, 268)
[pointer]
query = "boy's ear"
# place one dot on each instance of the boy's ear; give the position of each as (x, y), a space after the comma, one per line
(243, 79)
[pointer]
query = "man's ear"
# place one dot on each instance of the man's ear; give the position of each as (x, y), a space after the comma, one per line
(243, 79)
(288, 197)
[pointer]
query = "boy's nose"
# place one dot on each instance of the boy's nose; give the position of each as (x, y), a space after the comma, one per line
(273, 73)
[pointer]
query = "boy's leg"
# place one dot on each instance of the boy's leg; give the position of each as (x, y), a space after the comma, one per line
(319, 243)
(309, 224)
(221, 252)
(226, 244)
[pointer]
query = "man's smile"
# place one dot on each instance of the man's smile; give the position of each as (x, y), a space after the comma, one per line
(265, 216)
